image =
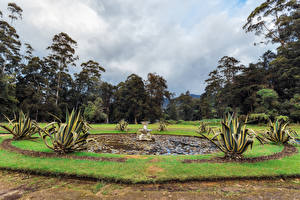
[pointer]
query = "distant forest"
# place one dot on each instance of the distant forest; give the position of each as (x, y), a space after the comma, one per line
(43, 86)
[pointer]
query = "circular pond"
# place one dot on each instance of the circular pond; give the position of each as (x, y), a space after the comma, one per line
(161, 145)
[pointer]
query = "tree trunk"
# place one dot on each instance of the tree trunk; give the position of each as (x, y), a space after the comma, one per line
(57, 91)
(135, 120)
(36, 115)
(107, 120)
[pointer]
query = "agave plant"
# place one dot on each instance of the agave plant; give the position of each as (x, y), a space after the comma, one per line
(162, 126)
(204, 128)
(122, 125)
(234, 138)
(21, 127)
(279, 133)
(66, 137)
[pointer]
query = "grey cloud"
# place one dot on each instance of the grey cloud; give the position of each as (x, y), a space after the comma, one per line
(180, 40)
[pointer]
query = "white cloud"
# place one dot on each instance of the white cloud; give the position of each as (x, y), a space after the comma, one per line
(180, 40)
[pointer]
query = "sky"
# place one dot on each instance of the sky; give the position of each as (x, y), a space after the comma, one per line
(181, 40)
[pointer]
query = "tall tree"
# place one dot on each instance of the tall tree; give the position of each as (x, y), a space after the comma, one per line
(10, 58)
(15, 11)
(156, 87)
(31, 85)
(107, 92)
(88, 82)
(268, 18)
(62, 56)
(131, 99)
(185, 106)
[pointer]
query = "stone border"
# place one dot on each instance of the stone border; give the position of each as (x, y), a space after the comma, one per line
(6, 145)
(288, 150)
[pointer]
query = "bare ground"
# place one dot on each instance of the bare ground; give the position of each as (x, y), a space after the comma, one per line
(23, 186)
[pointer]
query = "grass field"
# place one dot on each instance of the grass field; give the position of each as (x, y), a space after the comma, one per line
(139, 169)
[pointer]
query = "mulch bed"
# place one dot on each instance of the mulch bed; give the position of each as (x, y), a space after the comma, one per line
(6, 144)
(288, 150)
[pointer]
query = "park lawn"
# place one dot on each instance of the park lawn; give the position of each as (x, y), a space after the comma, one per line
(180, 129)
(147, 169)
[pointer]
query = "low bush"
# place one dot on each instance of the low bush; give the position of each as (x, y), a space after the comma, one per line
(122, 125)
(162, 126)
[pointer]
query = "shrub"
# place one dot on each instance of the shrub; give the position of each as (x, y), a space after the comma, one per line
(170, 121)
(282, 118)
(93, 111)
(162, 126)
(66, 137)
(122, 125)
(279, 133)
(260, 117)
(22, 127)
(211, 122)
(233, 138)
(204, 128)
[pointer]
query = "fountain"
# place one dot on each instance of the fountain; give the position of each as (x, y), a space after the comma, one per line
(144, 134)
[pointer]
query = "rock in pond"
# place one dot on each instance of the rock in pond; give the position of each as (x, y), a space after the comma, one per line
(160, 145)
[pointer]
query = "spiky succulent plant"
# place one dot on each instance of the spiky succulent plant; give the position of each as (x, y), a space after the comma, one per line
(66, 137)
(233, 138)
(279, 132)
(21, 127)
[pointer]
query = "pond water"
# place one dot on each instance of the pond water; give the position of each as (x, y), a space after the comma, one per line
(161, 145)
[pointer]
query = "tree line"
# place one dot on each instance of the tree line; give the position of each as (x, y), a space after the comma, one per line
(266, 89)
(43, 86)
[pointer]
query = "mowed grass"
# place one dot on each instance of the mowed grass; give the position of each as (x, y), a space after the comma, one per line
(146, 169)
(174, 129)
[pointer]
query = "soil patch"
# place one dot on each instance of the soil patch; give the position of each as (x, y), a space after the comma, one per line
(6, 144)
(161, 145)
(153, 170)
(288, 150)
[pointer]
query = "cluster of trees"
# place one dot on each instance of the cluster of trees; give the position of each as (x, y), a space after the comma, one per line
(268, 88)
(44, 86)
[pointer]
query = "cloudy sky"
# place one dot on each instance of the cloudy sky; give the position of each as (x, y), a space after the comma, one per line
(182, 40)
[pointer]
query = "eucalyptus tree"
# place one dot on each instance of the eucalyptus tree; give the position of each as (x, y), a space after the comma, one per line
(88, 81)
(156, 87)
(279, 22)
(10, 58)
(185, 106)
(31, 87)
(15, 11)
(107, 92)
(10, 45)
(62, 56)
(269, 19)
(130, 100)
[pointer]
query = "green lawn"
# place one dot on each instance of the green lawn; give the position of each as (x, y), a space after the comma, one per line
(138, 169)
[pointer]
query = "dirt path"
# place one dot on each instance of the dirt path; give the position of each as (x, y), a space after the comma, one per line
(22, 186)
